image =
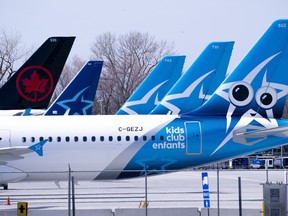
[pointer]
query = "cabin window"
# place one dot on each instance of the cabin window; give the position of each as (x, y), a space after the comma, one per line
(32, 139)
(101, 138)
(110, 138)
(58, 139)
(127, 138)
(136, 138)
(76, 138)
(153, 138)
(50, 139)
(93, 138)
(67, 138)
(84, 139)
(23, 139)
(41, 139)
(161, 138)
(119, 138)
(144, 138)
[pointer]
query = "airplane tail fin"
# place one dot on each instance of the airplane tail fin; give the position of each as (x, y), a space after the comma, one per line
(199, 81)
(33, 84)
(78, 96)
(154, 87)
(259, 84)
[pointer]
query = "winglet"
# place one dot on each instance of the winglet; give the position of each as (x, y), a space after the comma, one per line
(27, 112)
(38, 147)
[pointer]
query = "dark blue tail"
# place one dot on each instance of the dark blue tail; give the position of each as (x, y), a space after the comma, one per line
(78, 97)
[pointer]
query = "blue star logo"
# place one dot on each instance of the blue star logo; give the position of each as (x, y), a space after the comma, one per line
(77, 105)
(143, 101)
(168, 100)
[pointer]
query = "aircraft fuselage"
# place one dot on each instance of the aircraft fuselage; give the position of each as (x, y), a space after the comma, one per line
(112, 145)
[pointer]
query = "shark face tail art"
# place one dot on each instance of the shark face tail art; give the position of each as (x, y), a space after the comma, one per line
(258, 86)
(33, 84)
(199, 81)
(154, 87)
(78, 96)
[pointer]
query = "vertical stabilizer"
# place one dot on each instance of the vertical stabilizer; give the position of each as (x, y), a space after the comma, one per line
(199, 82)
(259, 84)
(78, 96)
(152, 90)
(33, 84)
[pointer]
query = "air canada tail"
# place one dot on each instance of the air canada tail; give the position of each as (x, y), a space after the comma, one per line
(154, 87)
(78, 96)
(258, 85)
(199, 81)
(33, 84)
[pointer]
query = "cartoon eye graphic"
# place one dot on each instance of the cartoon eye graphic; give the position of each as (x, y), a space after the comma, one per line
(266, 97)
(240, 94)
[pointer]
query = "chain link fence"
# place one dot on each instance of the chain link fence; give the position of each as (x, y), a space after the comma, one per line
(181, 189)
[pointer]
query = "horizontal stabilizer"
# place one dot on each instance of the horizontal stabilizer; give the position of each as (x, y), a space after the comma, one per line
(253, 137)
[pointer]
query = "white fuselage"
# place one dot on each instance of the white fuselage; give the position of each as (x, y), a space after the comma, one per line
(86, 143)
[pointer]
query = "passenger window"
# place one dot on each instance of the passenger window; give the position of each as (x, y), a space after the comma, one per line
(136, 138)
(153, 138)
(67, 138)
(118, 138)
(50, 139)
(84, 138)
(110, 138)
(76, 138)
(41, 139)
(144, 138)
(23, 139)
(101, 138)
(58, 139)
(127, 138)
(93, 138)
(161, 138)
(32, 139)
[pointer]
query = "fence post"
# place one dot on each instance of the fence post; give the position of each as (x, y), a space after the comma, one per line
(240, 196)
(218, 199)
(146, 196)
(69, 192)
(73, 196)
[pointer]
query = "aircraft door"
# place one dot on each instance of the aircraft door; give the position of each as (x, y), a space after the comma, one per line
(193, 138)
(4, 138)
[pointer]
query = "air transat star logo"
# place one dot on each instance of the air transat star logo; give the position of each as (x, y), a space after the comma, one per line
(170, 101)
(77, 105)
(143, 101)
(34, 83)
(241, 93)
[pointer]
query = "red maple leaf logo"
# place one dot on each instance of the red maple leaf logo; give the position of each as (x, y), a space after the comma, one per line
(35, 84)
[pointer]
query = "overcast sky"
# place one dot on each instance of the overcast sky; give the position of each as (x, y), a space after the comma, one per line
(190, 24)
